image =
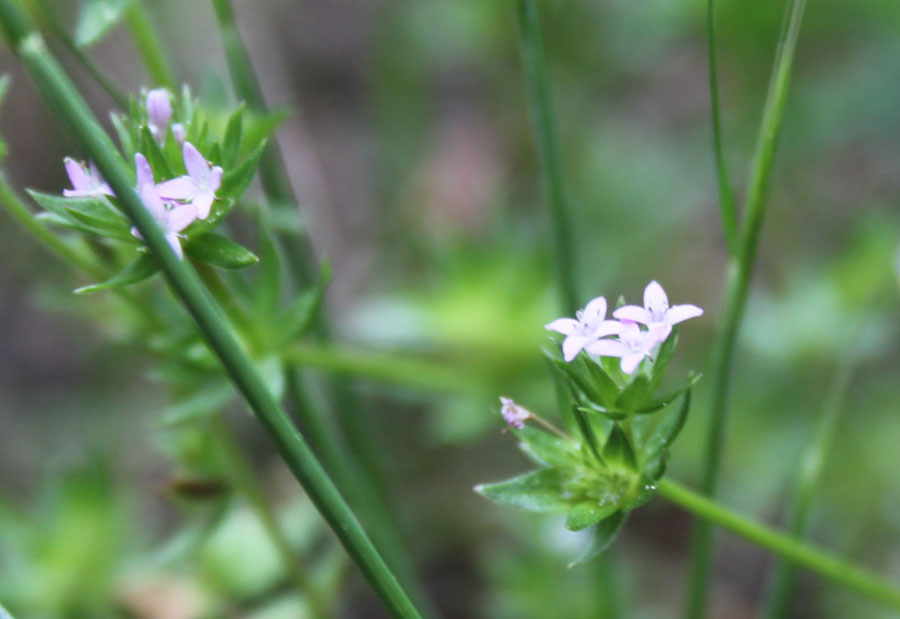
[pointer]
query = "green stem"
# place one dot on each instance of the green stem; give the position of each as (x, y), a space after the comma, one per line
(834, 568)
(727, 206)
(739, 274)
(71, 108)
(538, 89)
(149, 46)
(379, 367)
(242, 476)
(807, 484)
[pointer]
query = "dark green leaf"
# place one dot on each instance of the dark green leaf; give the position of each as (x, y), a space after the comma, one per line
(99, 213)
(137, 271)
(635, 395)
(604, 534)
(150, 149)
(232, 141)
(663, 357)
(126, 138)
(617, 449)
(236, 180)
(301, 315)
(663, 401)
(259, 127)
(544, 448)
(219, 251)
(538, 491)
(76, 213)
(603, 384)
(662, 438)
(588, 514)
(268, 283)
(97, 17)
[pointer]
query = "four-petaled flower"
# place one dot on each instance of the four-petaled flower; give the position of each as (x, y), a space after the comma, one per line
(588, 326)
(159, 111)
(86, 182)
(633, 344)
(656, 311)
(514, 415)
(172, 217)
(198, 187)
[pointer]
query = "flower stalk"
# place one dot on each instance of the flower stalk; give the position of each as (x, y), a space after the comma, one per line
(71, 108)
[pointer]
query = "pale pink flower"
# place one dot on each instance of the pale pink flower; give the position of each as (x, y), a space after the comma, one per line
(588, 326)
(198, 187)
(86, 182)
(656, 311)
(632, 346)
(514, 415)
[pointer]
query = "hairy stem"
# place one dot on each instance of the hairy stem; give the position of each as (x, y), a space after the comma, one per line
(837, 570)
(61, 94)
(739, 273)
(537, 85)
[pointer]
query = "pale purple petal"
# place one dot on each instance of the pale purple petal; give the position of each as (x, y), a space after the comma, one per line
(203, 203)
(594, 311)
(631, 362)
(655, 297)
(680, 313)
(196, 165)
(572, 345)
(142, 168)
(159, 111)
(566, 326)
(634, 314)
(153, 203)
(181, 188)
(175, 244)
(657, 334)
(77, 175)
(608, 348)
(180, 217)
(514, 415)
(607, 327)
(179, 132)
(215, 179)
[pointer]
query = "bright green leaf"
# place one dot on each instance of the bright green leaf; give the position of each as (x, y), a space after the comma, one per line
(137, 271)
(605, 534)
(538, 491)
(232, 141)
(546, 449)
(617, 449)
(97, 17)
(219, 251)
(236, 180)
(588, 514)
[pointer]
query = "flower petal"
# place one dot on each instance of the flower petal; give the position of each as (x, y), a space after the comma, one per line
(175, 244)
(78, 176)
(655, 297)
(215, 179)
(143, 170)
(607, 327)
(594, 311)
(608, 348)
(566, 326)
(634, 314)
(657, 334)
(203, 203)
(196, 165)
(181, 188)
(680, 313)
(631, 362)
(572, 345)
(180, 217)
(153, 203)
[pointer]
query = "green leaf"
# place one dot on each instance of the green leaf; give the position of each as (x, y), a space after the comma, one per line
(617, 449)
(578, 374)
(200, 405)
(90, 215)
(605, 534)
(219, 251)
(97, 17)
(126, 138)
(232, 141)
(588, 514)
(137, 271)
(663, 401)
(300, 316)
(634, 395)
(268, 283)
(538, 491)
(236, 180)
(546, 449)
(259, 127)
(656, 447)
(663, 357)
(155, 157)
(603, 384)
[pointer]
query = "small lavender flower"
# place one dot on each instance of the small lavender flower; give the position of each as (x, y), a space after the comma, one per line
(172, 217)
(179, 132)
(514, 415)
(86, 182)
(588, 326)
(198, 187)
(656, 310)
(633, 345)
(159, 111)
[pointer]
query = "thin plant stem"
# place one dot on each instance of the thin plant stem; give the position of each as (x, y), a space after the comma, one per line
(740, 270)
(241, 474)
(114, 92)
(727, 206)
(149, 47)
(361, 459)
(837, 570)
(72, 110)
(537, 86)
(807, 484)
(379, 367)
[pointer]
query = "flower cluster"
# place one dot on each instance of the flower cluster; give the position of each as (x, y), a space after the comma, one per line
(590, 331)
(173, 203)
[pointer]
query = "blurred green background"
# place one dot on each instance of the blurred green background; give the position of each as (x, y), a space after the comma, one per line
(410, 149)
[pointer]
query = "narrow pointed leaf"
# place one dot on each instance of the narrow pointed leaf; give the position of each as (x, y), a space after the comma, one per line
(236, 180)
(546, 449)
(301, 315)
(97, 18)
(635, 395)
(155, 157)
(219, 251)
(617, 449)
(588, 514)
(663, 357)
(538, 491)
(232, 141)
(139, 270)
(605, 534)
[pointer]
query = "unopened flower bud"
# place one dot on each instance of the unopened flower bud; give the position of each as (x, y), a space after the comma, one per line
(159, 111)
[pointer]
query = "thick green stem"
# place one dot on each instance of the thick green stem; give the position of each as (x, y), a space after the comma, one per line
(807, 484)
(242, 476)
(739, 274)
(727, 206)
(72, 110)
(834, 568)
(537, 85)
(149, 46)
